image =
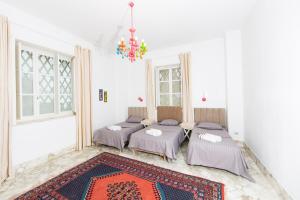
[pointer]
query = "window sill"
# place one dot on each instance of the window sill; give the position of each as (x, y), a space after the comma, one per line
(45, 118)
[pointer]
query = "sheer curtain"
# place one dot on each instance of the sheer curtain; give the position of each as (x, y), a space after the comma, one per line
(187, 107)
(5, 100)
(83, 90)
(150, 92)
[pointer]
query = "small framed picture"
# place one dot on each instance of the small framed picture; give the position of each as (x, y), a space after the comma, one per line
(105, 96)
(100, 94)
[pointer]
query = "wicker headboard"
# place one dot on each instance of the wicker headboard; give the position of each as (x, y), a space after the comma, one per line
(216, 115)
(138, 111)
(169, 112)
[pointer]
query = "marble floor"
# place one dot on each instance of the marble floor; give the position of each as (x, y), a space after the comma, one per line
(236, 188)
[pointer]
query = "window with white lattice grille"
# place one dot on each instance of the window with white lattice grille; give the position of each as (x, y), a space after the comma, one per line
(44, 83)
(168, 86)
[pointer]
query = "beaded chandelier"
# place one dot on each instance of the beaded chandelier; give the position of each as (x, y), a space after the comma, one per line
(134, 49)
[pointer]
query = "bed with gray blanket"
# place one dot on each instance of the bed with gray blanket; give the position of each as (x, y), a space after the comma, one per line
(172, 135)
(226, 155)
(167, 144)
(116, 138)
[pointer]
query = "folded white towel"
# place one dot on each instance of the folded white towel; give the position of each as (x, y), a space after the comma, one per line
(114, 128)
(210, 137)
(154, 132)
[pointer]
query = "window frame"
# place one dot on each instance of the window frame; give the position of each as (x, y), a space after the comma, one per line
(170, 81)
(36, 51)
(65, 57)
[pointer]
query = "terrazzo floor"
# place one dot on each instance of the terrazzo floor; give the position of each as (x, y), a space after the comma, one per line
(236, 188)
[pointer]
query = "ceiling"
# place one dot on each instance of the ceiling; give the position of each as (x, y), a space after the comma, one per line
(161, 23)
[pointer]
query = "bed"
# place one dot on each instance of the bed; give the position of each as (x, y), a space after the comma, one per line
(165, 145)
(119, 138)
(226, 155)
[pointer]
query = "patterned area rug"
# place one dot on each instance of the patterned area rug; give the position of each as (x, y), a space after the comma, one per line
(109, 176)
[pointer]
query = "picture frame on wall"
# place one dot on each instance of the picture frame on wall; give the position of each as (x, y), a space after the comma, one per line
(105, 96)
(100, 94)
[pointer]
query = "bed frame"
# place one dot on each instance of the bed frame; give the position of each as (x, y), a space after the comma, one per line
(138, 111)
(169, 112)
(215, 115)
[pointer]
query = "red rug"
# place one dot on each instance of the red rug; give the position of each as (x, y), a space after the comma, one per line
(109, 176)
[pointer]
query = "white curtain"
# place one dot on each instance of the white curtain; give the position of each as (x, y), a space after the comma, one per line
(5, 100)
(187, 107)
(83, 83)
(150, 91)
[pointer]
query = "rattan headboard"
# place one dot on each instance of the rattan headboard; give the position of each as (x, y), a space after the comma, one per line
(138, 111)
(216, 115)
(169, 112)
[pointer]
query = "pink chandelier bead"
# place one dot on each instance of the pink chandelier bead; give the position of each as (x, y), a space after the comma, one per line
(132, 30)
(131, 4)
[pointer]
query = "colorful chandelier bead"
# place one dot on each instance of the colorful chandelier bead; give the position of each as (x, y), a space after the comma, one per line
(134, 51)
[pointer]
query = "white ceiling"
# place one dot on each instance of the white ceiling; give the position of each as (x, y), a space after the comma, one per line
(160, 22)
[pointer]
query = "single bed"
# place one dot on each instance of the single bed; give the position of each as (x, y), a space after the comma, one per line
(119, 138)
(226, 155)
(168, 143)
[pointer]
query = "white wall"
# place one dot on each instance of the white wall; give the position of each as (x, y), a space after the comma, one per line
(130, 84)
(103, 78)
(271, 47)
(208, 69)
(31, 141)
(122, 89)
(234, 84)
(137, 84)
(34, 140)
(208, 72)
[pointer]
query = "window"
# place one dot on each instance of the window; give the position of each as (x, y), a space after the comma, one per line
(44, 83)
(168, 86)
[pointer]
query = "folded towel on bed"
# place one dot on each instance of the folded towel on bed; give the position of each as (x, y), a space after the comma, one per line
(210, 137)
(114, 128)
(154, 132)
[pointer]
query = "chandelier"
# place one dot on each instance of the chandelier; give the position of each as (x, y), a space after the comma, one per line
(134, 49)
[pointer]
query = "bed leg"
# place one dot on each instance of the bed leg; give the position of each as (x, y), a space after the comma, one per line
(164, 156)
(133, 151)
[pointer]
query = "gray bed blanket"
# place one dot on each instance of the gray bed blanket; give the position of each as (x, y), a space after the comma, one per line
(225, 155)
(116, 138)
(167, 143)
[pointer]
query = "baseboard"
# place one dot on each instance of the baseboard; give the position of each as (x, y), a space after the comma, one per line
(283, 193)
